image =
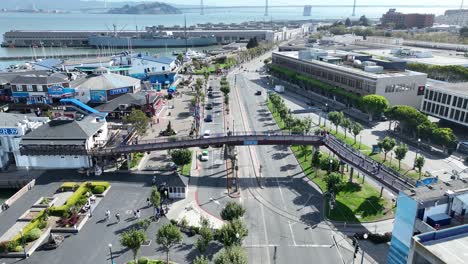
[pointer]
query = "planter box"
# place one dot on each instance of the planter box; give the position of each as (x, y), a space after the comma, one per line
(72, 229)
(104, 193)
(26, 217)
(38, 204)
(30, 248)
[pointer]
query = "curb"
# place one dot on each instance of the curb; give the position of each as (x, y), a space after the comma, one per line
(198, 204)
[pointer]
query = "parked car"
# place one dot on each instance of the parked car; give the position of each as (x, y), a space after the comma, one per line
(210, 89)
(209, 118)
(204, 155)
(258, 92)
(209, 106)
(210, 94)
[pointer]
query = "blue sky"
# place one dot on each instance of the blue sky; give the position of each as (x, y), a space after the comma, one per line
(312, 2)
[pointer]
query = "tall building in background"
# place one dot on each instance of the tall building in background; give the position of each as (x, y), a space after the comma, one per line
(400, 20)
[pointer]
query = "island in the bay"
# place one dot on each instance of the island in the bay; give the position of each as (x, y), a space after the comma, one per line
(146, 8)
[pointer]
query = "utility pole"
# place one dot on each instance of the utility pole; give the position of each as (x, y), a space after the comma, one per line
(354, 8)
(266, 7)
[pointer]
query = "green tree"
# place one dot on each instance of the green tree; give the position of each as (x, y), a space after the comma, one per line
(387, 144)
(374, 104)
(419, 163)
(231, 255)
(232, 233)
(356, 128)
(253, 43)
(232, 211)
(133, 239)
(364, 21)
(206, 236)
(168, 236)
(225, 89)
(138, 120)
(400, 153)
(336, 118)
(346, 125)
(155, 197)
(200, 260)
(464, 32)
(180, 58)
(348, 22)
(334, 181)
(444, 137)
(181, 157)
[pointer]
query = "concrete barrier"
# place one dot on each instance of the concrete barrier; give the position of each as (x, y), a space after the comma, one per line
(19, 193)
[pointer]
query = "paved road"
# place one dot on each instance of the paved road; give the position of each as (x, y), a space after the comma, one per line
(212, 191)
(273, 236)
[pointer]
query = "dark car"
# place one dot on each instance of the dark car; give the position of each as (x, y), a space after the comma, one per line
(258, 93)
(209, 106)
(208, 118)
(210, 89)
(210, 94)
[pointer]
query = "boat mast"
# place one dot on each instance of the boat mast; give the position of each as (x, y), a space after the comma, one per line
(185, 32)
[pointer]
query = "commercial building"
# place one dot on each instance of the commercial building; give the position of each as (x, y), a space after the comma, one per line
(457, 17)
(32, 87)
(424, 210)
(357, 73)
(63, 143)
(441, 246)
(148, 102)
(103, 86)
(12, 128)
(447, 101)
(400, 20)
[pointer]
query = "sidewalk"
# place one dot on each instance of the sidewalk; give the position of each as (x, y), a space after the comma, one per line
(189, 208)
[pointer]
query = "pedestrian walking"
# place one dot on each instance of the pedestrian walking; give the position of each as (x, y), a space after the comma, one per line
(138, 215)
(107, 215)
(154, 180)
(134, 214)
(117, 216)
(148, 201)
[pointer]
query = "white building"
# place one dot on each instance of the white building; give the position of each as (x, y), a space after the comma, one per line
(63, 144)
(448, 101)
(12, 128)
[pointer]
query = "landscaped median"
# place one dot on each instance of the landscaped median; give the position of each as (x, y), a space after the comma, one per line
(35, 225)
(356, 201)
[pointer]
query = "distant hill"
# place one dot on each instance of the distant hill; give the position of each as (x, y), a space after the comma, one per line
(146, 8)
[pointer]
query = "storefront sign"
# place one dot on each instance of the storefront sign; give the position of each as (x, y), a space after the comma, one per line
(8, 131)
(20, 94)
(119, 91)
(98, 96)
(57, 91)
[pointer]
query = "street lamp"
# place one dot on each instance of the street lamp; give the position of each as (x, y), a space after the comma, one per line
(417, 151)
(360, 140)
(331, 163)
(111, 256)
(23, 243)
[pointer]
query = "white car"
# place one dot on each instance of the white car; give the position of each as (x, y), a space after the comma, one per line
(204, 156)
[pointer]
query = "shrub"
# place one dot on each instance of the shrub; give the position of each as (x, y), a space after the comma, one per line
(144, 223)
(11, 245)
(58, 210)
(69, 186)
(74, 198)
(17, 249)
(32, 235)
(195, 229)
(174, 222)
(142, 261)
(98, 189)
(42, 224)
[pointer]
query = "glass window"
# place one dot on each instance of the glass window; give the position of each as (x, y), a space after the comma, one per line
(19, 88)
(457, 114)
(446, 111)
(30, 88)
(439, 97)
(462, 116)
(454, 103)
(460, 102)
(465, 103)
(444, 98)
(437, 109)
(431, 94)
(424, 106)
(451, 113)
(39, 88)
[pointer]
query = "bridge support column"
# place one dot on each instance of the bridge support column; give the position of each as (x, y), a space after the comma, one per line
(351, 175)
(381, 191)
(129, 158)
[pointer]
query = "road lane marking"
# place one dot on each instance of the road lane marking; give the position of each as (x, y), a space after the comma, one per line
(265, 231)
(292, 233)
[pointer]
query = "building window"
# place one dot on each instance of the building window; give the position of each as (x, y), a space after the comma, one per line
(30, 88)
(444, 98)
(424, 106)
(431, 94)
(457, 114)
(437, 109)
(462, 116)
(446, 111)
(39, 88)
(19, 88)
(442, 110)
(460, 102)
(451, 113)
(454, 103)
(439, 97)
(449, 97)
(465, 103)
(433, 107)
